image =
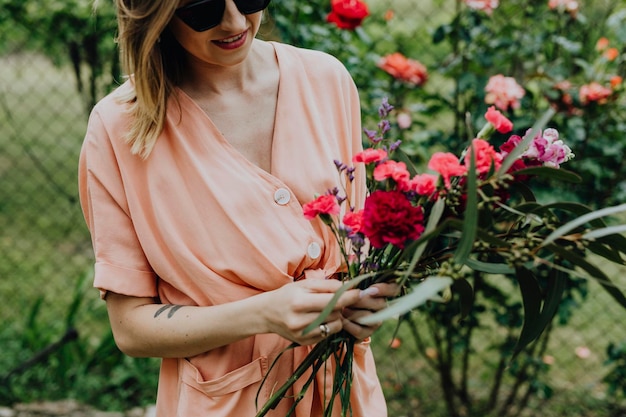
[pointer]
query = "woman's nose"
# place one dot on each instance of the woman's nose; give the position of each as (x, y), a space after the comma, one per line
(233, 19)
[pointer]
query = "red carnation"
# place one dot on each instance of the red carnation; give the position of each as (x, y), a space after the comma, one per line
(389, 217)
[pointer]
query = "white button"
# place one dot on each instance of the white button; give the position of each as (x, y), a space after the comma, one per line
(282, 196)
(314, 250)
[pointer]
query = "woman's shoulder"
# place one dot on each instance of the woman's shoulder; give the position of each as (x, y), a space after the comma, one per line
(116, 103)
(315, 60)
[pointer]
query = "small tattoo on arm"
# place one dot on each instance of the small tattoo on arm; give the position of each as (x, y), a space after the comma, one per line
(172, 307)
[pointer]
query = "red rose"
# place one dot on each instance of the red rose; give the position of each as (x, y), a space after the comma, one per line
(324, 204)
(347, 14)
(389, 217)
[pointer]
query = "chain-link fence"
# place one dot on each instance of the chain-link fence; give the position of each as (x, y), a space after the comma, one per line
(45, 248)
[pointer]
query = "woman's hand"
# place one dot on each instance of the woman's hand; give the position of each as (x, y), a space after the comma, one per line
(291, 308)
(370, 301)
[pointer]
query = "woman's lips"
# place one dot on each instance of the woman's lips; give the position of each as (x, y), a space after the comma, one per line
(232, 42)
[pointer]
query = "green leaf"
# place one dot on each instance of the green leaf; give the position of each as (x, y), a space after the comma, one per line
(592, 270)
(401, 156)
(567, 227)
(421, 293)
(431, 226)
(470, 218)
(607, 252)
(535, 320)
(606, 231)
(549, 172)
(489, 268)
(331, 304)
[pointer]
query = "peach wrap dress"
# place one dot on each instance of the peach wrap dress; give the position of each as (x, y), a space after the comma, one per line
(198, 224)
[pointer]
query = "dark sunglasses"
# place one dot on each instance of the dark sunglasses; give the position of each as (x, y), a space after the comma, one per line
(205, 14)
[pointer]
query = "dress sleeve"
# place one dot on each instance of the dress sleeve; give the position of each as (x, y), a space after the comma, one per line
(353, 110)
(120, 263)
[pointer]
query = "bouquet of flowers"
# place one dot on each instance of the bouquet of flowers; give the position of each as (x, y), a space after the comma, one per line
(474, 212)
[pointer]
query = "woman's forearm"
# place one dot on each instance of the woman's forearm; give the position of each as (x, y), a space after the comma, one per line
(145, 329)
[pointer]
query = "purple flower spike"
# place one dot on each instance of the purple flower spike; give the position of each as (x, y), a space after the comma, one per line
(385, 108)
(384, 126)
(371, 134)
(394, 146)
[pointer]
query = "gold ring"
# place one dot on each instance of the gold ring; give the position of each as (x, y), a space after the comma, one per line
(325, 330)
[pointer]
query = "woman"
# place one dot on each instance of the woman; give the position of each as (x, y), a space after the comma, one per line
(192, 175)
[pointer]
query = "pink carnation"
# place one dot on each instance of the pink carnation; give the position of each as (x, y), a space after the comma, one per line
(504, 92)
(370, 155)
(424, 184)
(498, 120)
(549, 149)
(354, 221)
(397, 171)
(485, 156)
(324, 204)
(447, 164)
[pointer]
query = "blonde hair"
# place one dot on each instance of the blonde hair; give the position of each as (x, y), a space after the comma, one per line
(153, 59)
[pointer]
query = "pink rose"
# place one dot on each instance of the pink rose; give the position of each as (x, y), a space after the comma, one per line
(347, 14)
(498, 120)
(404, 120)
(389, 217)
(370, 155)
(485, 156)
(504, 92)
(447, 165)
(486, 6)
(324, 204)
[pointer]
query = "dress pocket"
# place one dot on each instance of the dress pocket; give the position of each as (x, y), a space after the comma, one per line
(232, 394)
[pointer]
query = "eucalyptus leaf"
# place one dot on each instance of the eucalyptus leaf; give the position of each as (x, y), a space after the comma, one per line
(350, 284)
(531, 300)
(470, 218)
(536, 319)
(593, 271)
(489, 268)
(420, 294)
(549, 172)
(567, 227)
(611, 230)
